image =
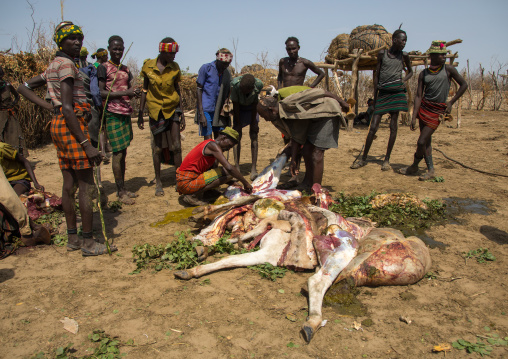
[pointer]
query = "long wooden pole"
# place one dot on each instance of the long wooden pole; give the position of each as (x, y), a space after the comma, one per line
(354, 86)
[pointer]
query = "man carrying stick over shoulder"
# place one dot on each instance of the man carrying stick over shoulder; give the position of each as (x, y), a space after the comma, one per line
(431, 105)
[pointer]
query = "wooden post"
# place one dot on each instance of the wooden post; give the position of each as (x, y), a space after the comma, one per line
(455, 89)
(327, 80)
(354, 85)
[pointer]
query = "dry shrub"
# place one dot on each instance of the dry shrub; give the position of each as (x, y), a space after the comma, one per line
(19, 68)
(267, 76)
(369, 37)
(338, 49)
(249, 69)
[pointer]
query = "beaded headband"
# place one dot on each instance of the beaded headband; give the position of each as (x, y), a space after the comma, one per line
(168, 47)
(225, 57)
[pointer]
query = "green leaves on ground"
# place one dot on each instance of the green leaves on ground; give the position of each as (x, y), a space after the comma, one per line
(54, 218)
(179, 254)
(409, 217)
(268, 271)
(115, 206)
(481, 255)
(106, 347)
(481, 347)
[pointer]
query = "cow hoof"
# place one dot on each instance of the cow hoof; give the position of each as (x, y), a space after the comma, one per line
(182, 274)
(308, 332)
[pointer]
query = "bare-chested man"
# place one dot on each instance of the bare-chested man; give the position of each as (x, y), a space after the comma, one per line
(292, 69)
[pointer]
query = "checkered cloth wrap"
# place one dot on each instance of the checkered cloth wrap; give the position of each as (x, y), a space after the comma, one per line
(118, 130)
(68, 150)
(188, 182)
(391, 98)
(429, 113)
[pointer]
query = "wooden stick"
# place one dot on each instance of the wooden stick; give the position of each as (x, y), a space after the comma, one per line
(354, 84)
(453, 42)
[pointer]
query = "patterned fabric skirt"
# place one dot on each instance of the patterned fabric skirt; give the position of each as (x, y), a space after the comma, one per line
(68, 150)
(118, 130)
(429, 113)
(391, 98)
(188, 182)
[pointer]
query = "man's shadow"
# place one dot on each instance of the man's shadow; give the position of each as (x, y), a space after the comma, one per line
(6, 274)
(494, 234)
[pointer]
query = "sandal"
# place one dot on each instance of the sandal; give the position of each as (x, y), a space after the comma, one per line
(99, 249)
(358, 164)
(407, 172)
(386, 166)
(125, 199)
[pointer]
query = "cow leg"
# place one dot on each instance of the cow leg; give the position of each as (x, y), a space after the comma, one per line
(272, 246)
(322, 280)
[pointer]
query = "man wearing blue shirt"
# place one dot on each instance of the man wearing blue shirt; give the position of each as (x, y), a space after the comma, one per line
(213, 86)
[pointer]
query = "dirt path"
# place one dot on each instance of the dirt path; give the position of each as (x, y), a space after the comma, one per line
(240, 315)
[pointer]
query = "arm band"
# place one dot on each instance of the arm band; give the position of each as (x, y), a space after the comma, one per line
(26, 85)
(83, 142)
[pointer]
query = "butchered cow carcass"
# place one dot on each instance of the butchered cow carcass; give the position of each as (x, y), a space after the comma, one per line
(302, 234)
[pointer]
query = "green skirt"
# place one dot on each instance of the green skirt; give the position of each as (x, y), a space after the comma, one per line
(118, 130)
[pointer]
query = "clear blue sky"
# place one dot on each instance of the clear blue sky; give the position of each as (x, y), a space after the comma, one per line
(201, 27)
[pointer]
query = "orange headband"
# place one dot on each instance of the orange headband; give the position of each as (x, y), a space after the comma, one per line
(168, 47)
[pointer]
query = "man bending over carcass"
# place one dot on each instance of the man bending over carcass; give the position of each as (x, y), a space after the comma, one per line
(311, 118)
(197, 175)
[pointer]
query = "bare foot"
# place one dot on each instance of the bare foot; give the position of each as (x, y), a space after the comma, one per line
(253, 174)
(159, 192)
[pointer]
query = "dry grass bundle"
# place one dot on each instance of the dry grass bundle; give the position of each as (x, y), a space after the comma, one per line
(268, 76)
(33, 119)
(188, 90)
(249, 69)
(338, 49)
(369, 37)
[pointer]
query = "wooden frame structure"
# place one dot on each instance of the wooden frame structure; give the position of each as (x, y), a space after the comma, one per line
(367, 61)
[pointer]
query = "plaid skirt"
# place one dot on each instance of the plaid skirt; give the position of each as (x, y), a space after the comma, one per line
(118, 130)
(188, 182)
(391, 98)
(68, 150)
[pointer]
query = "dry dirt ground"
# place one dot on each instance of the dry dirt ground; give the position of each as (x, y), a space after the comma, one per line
(240, 315)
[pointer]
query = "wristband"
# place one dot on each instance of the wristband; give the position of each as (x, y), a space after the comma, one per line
(83, 142)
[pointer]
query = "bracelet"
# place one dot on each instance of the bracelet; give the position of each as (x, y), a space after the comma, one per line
(83, 142)
(145, 91)
(26, 85)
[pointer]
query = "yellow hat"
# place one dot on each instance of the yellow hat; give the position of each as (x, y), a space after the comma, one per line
(228, 131)
(83, 51)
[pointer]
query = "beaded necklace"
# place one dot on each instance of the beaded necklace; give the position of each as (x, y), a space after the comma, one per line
(432, 71)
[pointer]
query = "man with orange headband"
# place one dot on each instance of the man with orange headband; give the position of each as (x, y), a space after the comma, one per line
(213, 82)
(161, 92)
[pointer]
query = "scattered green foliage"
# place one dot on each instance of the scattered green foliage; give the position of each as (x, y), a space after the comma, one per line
(54, 218)
(496, 341)
(436, 179)
(179, 254)
(478, 347)
(114, 206)
(481, 255)
(108, 347)
(292, 345)
(405, 218)
(430, 276)
(268, 271)
(58, 353)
